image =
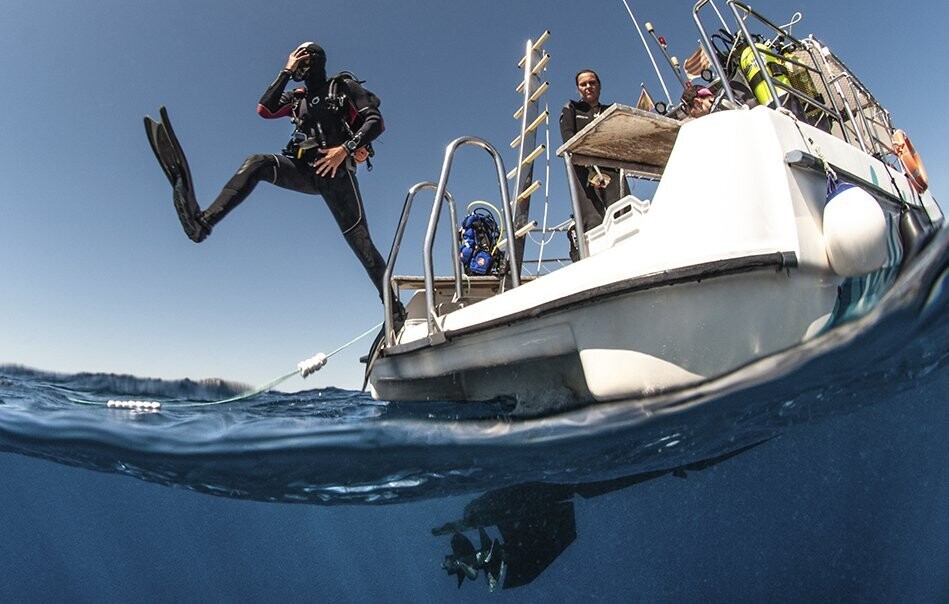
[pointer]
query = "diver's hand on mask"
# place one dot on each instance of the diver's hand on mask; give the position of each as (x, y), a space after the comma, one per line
(295, 58)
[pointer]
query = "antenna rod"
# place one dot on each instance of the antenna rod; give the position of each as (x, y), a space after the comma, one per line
(649, 52)
(673, 62)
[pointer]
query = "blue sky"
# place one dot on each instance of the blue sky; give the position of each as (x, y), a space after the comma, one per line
(96, 273)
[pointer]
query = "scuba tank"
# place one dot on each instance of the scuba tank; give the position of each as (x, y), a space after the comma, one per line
(752, 72)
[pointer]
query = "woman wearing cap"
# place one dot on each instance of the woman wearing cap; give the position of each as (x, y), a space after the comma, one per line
(697, 101)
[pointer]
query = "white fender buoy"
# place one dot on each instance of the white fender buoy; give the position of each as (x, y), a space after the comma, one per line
(855, 232)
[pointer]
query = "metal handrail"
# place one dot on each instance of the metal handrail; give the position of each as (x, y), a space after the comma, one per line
(707, 42)
(865, 100)
(855, 92)
(735, 6)
(862, 119)
(427, 262)
(575, 192)
(394, 252)
(833, 110)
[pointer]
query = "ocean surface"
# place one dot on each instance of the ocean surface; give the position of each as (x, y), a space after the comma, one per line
(818, 474)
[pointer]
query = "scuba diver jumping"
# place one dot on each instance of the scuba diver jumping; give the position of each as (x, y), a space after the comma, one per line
(335, 119)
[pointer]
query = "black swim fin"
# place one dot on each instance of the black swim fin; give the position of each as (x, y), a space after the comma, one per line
(167, 150)
(161, 147)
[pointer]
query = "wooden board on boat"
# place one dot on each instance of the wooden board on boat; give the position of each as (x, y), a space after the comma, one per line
(625, 137)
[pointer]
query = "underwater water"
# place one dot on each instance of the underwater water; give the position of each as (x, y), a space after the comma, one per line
(818, 473)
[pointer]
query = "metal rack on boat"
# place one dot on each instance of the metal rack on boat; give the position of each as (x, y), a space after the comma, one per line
(833, 98)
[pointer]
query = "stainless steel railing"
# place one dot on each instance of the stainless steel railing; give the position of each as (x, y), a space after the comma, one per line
(427, 262)
(397, 243)
(827, 101)
(443, 197)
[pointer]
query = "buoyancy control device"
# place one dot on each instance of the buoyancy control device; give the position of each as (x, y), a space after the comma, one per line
(309, 136)
(478, 251)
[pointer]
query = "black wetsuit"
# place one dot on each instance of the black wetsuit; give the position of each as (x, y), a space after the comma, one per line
(323, 125)
(593, 201)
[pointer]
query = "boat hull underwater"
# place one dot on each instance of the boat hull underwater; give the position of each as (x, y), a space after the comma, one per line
(730, 262)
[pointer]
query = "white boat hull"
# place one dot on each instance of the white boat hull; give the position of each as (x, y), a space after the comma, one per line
(617, 345)
(728, 265)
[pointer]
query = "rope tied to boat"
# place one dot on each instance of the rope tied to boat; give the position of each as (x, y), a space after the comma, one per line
(304, 368)
(818, 152)
(315, 363)
(828, 170)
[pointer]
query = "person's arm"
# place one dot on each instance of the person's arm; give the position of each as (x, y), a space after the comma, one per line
(275, 102)
(568, 122)
(366, 104)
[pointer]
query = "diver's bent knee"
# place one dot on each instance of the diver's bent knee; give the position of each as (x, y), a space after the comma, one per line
(256, 162)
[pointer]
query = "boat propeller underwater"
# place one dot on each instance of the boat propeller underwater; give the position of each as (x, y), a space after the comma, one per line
(304, 369)
(465, 561)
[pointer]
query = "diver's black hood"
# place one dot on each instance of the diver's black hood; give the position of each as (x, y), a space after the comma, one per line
(316, 77)
(316, 74)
